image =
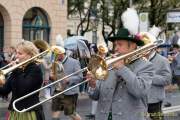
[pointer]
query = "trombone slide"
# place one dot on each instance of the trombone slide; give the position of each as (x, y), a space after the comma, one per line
(35, 105)
(95, 64)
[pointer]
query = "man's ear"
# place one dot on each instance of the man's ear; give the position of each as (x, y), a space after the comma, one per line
(134, 45)
(130, 44)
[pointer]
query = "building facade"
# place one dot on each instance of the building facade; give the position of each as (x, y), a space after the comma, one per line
(31, 20)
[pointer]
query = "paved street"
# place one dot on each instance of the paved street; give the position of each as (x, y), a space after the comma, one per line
(84, 106)
(174, 99)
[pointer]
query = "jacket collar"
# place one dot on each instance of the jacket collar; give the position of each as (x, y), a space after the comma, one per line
(152, 55)
(65, 59)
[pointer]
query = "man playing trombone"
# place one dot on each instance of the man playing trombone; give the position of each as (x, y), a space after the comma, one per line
(124, 92)
(67, 101)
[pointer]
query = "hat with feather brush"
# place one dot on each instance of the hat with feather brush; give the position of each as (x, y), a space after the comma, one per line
(129, 31)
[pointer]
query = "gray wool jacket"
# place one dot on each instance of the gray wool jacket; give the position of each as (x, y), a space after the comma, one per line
(162, 78)
(124, 93)
(71, 65)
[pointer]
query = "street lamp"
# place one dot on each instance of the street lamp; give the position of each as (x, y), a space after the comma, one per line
(94, 22)
(130, 3)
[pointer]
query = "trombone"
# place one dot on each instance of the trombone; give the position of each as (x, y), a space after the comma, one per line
(8, 65)
(4, 71)
(98, 67)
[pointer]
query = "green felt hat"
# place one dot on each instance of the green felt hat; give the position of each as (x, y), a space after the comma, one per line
(123, 34)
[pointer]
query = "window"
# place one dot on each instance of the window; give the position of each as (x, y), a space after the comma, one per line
(35, 25)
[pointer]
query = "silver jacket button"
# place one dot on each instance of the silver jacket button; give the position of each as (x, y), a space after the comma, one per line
(102, 111)
(120, 113)
(120, 100)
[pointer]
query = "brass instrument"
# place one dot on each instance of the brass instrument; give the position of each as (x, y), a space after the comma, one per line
(2, 78)
(8, 65)
(98, 67)
(58, 73)
(3, 72)
(40, 44)
(54, 71)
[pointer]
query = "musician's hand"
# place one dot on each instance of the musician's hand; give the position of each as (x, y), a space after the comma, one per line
(171, 58)
(119, 64)
(46, 82)
(13, 63)
(92, 80)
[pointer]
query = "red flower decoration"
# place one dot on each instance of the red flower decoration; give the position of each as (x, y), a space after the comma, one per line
(138, 36)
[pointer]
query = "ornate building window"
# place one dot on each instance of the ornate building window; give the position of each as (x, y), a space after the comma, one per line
(35, 25)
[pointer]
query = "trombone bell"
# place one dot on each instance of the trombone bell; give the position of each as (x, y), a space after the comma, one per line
(98, 67)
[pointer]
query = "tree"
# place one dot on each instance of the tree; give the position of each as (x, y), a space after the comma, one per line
(157, 9)
(84, 10)
(108, 12)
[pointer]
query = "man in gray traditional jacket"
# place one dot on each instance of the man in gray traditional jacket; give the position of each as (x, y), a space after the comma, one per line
(67, 101)
(162, 77)
(124, 92)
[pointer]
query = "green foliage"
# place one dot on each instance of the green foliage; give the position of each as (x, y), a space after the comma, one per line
(109, 12)
(76, 5)
(157, 9)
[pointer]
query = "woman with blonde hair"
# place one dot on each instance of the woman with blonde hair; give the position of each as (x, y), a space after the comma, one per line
(22, 81)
